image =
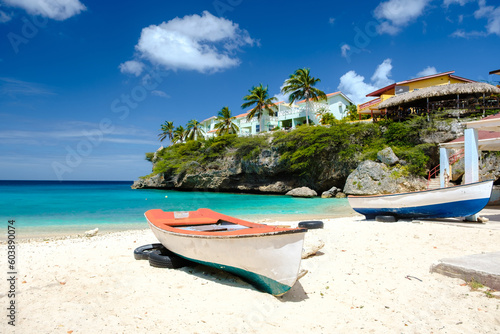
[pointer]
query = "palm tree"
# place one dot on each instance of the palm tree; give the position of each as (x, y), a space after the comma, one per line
(167, 130)
(179, 134)
(225, 123)
(194, 130)
(300, 85)
(264, 105)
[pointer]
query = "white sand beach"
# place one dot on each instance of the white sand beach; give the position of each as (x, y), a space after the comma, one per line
(370, 277)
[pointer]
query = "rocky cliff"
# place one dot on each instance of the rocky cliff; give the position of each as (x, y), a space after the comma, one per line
(270, 171)
(264, 174)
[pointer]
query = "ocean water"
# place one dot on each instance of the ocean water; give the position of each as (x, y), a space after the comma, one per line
(53, 207)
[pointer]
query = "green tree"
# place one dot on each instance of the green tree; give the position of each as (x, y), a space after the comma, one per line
(328, 118)
(179, 134)
(352, 112)
(194, 130)
(167, 130)
(300, 85)
(225, 122)
(263, 104)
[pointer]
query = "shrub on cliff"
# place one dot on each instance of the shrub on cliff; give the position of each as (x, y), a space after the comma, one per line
(308, 151)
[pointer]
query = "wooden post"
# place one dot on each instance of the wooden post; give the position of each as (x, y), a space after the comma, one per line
(428, 119)
(484, 107)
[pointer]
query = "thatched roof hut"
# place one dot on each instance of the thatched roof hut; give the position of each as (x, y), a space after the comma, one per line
(439, 91)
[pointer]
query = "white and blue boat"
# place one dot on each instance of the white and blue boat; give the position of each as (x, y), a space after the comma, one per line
(457, 201)
(266, 256)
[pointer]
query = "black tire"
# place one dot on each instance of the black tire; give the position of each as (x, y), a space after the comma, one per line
(386, 219)
(166, 259)
(142, 253)
(311, 224)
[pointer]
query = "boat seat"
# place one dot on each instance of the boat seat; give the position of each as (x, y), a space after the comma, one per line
(185, 221)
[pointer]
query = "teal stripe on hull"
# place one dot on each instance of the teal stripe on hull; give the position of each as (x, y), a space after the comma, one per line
(262, 283)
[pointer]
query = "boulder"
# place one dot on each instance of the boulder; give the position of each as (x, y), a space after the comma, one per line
(387, 156)
(373, 178)
(332, 192)
(278, 187)
(302, 192)
(340, 195)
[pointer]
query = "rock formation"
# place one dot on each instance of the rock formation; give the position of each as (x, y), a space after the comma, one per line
(302, 192)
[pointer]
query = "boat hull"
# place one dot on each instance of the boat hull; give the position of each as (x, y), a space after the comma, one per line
(458, 201)
(269, 261)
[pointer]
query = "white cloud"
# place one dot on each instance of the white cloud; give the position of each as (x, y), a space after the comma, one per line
(429, 70)
(331, 20)
(492, 14)
(381, 76)
(460, 33)
(396, 14)
(460, 2)
(355, 87)
(17, 88)
(280, 96)
(132, 67)
(160, 94)
(54, 9)
(344, 49)
(203, 43)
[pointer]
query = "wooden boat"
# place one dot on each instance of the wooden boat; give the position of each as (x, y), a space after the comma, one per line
(457, 201)
(266, 256)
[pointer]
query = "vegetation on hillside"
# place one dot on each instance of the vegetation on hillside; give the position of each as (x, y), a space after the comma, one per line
(307, 150)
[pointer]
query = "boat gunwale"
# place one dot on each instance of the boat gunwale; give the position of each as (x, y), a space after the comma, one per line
(163, 221)
(225, 234)
(420, 191)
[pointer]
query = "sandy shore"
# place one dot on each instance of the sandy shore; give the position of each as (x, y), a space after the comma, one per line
(358, 284)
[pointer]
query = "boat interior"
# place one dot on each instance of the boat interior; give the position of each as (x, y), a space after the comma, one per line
(220, 225)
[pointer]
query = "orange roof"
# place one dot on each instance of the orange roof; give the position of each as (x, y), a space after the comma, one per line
(391, 86)
(241, 115)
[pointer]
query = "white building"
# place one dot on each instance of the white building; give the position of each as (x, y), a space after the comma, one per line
(287, 116)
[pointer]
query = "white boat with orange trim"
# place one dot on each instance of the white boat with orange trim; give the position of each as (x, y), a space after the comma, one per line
(457, 201)
(267, 256)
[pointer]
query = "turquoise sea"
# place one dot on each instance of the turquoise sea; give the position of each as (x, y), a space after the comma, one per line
(51, 207)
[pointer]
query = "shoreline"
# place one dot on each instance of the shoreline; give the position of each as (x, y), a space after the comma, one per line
(60, 232)
(65, 231)
(365, 279)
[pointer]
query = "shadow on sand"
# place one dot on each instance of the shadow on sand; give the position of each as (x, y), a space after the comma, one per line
(295, 294)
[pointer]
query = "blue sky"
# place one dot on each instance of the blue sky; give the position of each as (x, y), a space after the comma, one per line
(85, 85)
